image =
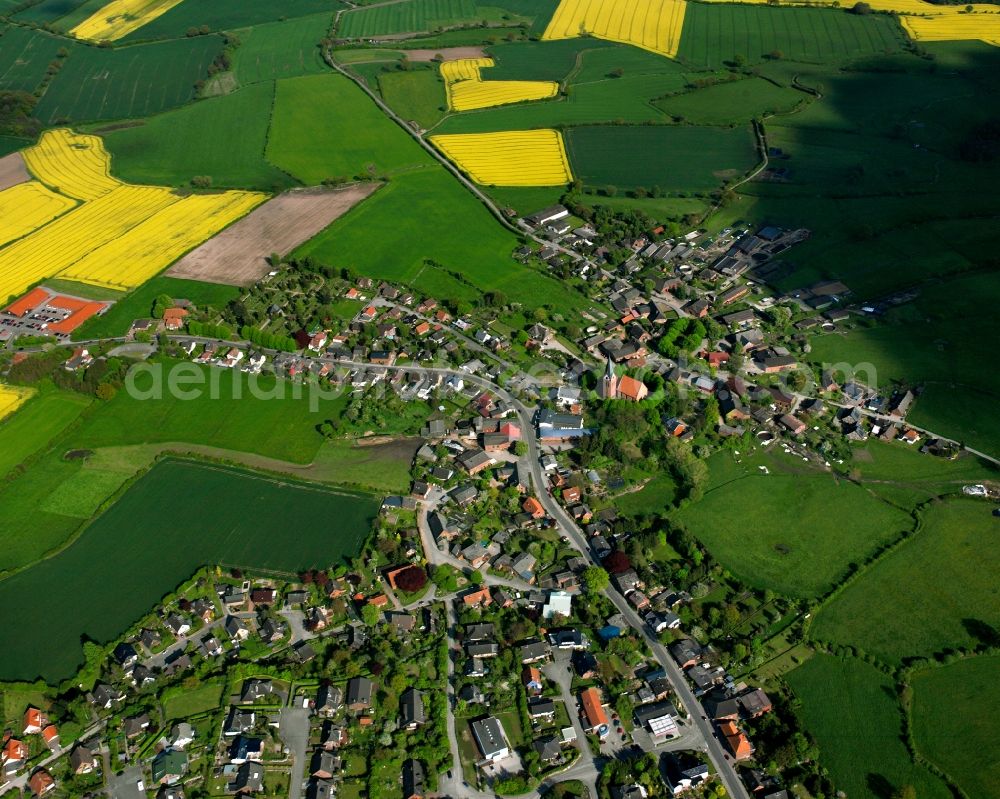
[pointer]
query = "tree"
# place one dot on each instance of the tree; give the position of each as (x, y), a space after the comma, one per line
(476, 578)
(520, 449)
(595, 579)
(202, 181)
(370, 615)
(411, 579)
(617, 562)
(861, 9)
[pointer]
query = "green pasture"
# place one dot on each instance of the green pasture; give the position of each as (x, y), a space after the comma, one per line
(228, 15)
(953, 711)
(181, 702)
(180, 516)
(172, 148)
(936, 591)
(732, 103)
(852, 710)
(25, 56)
(281, 49)
(36, 423)
(415, 95)
(795, 529)
(418, 16)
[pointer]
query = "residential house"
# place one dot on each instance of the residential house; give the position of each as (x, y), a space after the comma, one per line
(237, 629)
(181, 735)
(178, 625)
(412, 709)
(531, 679)
(238, 722)
(41, 782)
(491, 739)
(534, 652)
(34, 721)
(593, 715)
(249, 779)
(169, 766)
(325, 765)
(359, 694)
(82, 760)
(136, 725)
(255, 690)
(414, 779)
(736, 740)
(329, 700)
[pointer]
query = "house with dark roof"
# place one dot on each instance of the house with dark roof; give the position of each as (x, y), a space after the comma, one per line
(359, 694)
(414, 779)
(412, 710)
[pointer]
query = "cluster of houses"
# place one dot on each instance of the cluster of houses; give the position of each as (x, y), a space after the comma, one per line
(17, 750)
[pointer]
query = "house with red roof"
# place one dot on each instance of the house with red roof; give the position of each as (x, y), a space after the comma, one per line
(41, 782)
(34, 721)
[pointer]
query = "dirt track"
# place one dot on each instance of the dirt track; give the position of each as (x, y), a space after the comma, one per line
(237, 256)
(447, 53)
(12, 171)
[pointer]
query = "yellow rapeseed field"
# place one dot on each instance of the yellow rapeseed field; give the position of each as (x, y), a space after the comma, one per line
(162, 238)
(509, 158)
(12, 398)
(119, 236)
(26, 207)
(120, 18)
(651, 24)
(899, 6)
(467, 90)
(955, 27)
(74, 164)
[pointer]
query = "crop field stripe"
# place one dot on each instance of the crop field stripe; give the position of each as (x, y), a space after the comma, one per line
(74, 164)
(26, 207)
(120, 18)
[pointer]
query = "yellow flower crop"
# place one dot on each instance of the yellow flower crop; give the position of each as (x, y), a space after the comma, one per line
(160, 239)
(650, 24)
(954, 27)
(12, 398)
(73, 164)
(26, 207)
(467, 90)
(120, 18)
(119, 236)
(509, 158)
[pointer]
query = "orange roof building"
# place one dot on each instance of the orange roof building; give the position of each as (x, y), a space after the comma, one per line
(593, 711)
(534, 507)
(173, 318)
(34, 721)
(79, 310)
(41, 782)
(51, 736)
(736, 740)
(14, 751)
(480, 598)
(379, 600)
(571, 494)
(632, 389)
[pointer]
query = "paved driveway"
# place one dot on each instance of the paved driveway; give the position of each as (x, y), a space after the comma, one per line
(294, 730)
(124, 787)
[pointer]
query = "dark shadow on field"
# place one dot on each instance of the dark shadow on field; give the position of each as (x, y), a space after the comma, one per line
(880, 786)
(985, 634)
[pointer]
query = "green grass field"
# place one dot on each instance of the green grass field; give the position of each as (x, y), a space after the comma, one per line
(953, 712)
(9, 144)
(417, 16)
(940, 586)
(281, 427)
(180, 702)
(100, 83)
(418, 95)
(656, 497)
(25, 56)
(177, 518)
(382, 467)
(714, 34)
(777, 530)
(314, 146)
(47, 11)
(139, 304)
(536, 60)
(36, 423)
(281, 49)
(681, 158)
(731, 103)
(852, 711)
(426, 214)
(227, 15)
(172, 148)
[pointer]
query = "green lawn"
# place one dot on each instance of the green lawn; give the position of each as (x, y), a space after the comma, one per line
(954, 708)
(536, 60)
(139, 304)
(732, 103)
(382, 467)
(282, 427)
(795, 530)
(172, 148)
(281, 49)
(47, 11)
(25, 55)
(415, 16)
(324, 126)
(941, 587)
(228, 15)
(656, 497)
(36, 423)
(426, 214)
(181, 703)
(180, 516)
(676, 158)
(852, 711)
(99, 83)
(415, 95)
(716, 33)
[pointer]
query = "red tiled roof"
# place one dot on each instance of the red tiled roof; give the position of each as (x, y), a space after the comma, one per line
(28, 302)
(592, 709)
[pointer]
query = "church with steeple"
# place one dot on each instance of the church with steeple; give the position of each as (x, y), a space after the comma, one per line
(608, 388)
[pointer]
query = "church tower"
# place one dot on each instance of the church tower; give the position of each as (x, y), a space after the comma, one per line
(608, 388)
